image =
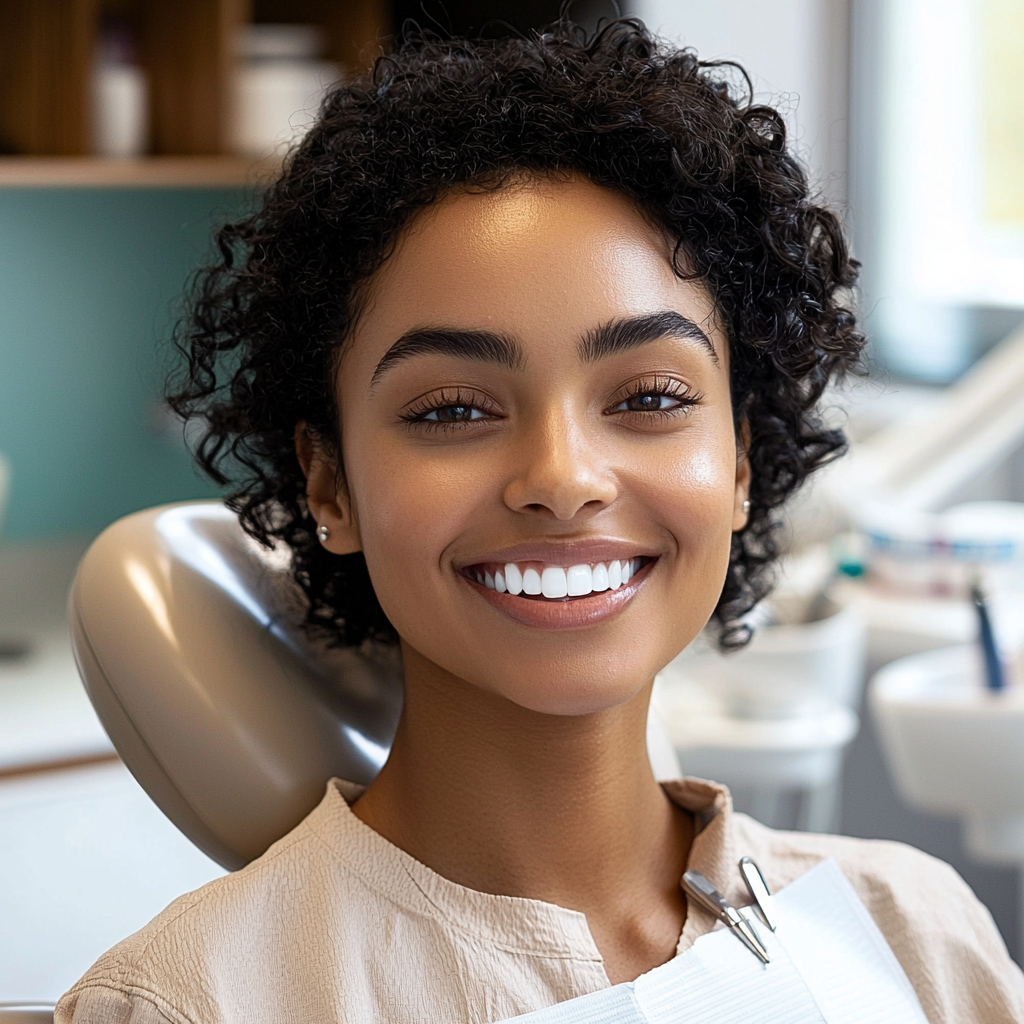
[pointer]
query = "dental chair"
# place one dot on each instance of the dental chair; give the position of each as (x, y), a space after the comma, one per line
(186, 634)
(187, 637)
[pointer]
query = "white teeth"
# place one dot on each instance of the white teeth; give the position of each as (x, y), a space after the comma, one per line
(553, 583)
(579, 580)
(513, 579)
(531, 582)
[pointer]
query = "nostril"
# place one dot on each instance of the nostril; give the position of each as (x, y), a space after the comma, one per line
(594, 505)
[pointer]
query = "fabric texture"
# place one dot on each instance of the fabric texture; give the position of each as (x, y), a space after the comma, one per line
(335, 924)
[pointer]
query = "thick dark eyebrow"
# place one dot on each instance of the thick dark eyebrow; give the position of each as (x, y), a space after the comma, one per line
(631, 332)
(483, 346)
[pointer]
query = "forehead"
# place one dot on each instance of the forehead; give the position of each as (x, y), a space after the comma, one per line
(533, 258)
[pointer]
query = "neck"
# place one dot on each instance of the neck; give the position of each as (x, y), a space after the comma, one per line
(513, 802)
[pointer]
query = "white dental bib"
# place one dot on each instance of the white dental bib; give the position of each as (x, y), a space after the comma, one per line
(829, 965)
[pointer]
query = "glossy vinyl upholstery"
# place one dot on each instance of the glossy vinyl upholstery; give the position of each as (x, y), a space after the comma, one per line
(186, 635)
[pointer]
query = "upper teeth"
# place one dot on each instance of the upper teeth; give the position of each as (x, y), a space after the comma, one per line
(554, 582)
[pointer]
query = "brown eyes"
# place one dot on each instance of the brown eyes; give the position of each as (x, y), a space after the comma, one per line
(648, 399)
(656, 397)
(452, 414)
(447, 409)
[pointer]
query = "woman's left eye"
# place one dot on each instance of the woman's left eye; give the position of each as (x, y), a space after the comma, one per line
(452, 414)
(657, 397)
(648, 401)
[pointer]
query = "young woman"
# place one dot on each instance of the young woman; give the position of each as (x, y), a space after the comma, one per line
(519, 357)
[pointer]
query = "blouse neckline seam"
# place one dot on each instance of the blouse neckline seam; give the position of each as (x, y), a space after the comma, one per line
(540, 914)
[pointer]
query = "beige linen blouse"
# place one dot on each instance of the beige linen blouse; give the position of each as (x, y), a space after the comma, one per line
(335, 924)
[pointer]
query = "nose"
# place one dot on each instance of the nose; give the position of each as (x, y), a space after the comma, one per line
(562, 472)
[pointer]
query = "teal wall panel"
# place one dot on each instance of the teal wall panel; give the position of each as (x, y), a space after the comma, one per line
(89, 282)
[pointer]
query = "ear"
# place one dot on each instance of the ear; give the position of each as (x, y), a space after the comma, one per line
(326, 493)
(740, 517)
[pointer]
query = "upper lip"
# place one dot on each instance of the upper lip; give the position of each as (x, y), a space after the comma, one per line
(563, 552)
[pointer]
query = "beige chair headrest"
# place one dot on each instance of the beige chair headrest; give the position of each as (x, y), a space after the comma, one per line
(185, 633)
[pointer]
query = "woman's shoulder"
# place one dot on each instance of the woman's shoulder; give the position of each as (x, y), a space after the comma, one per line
(943, 936)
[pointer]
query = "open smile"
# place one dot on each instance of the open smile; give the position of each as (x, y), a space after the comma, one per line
(537, 581)
(557, 597)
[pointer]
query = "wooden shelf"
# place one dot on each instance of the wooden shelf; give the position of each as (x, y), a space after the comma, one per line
(149, 172)
(188, 50)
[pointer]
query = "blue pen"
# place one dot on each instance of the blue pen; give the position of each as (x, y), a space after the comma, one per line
(995, 678)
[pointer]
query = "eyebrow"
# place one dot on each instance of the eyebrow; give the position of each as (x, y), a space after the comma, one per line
(483, 346)
(631, 332)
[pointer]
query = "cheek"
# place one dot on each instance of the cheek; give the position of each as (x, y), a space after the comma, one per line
(409, 506)
(397, 506)
(695, 502)
(707, 472)
(695, 493)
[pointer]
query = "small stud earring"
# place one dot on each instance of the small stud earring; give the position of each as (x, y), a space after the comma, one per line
(322, 533)
(746, 507)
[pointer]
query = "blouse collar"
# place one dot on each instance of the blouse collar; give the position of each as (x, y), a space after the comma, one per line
(513, 923)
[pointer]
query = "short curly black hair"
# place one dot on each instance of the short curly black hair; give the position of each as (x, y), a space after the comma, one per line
(682, 138)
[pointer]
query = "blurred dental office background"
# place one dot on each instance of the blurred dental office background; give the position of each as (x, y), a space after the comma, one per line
(131, 128)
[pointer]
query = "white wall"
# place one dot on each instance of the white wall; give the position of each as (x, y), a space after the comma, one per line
(796, 51)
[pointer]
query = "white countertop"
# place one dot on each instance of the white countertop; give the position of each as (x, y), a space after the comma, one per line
(86, 857)
(45, 715)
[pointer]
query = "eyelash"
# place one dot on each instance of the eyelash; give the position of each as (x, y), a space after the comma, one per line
(417, 415)
(660, 387)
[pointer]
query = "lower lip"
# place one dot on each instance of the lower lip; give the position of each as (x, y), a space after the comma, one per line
(574, 613)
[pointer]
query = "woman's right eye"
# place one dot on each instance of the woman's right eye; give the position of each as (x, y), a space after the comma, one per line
(452, 410)
(451, 414)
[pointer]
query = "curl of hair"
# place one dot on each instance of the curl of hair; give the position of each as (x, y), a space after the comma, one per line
(677, 135)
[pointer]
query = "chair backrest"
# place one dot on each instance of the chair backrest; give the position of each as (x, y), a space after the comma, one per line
(186, 636)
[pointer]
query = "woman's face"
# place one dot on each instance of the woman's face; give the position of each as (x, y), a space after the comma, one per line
(533, 401)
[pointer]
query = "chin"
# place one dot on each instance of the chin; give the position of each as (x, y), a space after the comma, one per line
(571, 698)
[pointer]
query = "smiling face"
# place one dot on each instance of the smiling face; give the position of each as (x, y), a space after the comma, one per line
(538, 446)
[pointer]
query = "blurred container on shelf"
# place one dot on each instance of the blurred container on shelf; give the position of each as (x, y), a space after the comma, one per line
(919, 567)
(282, 82)
(943, 554)
(120, 94)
